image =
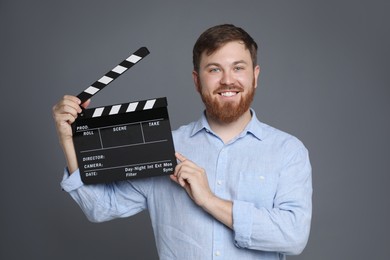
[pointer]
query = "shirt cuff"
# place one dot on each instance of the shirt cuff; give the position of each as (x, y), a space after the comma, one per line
(71, 182)
(242, 223)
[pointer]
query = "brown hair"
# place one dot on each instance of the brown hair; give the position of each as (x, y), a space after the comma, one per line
(215, 37)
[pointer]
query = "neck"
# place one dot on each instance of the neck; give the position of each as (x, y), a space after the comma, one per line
(227, 131)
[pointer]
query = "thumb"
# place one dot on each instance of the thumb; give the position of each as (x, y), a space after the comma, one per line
(86, 103)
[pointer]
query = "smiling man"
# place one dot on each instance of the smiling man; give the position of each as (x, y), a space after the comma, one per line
(241, 190)
(226, 80)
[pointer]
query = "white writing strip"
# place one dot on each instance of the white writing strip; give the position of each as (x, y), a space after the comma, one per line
(115, 109)
(91, 90)
(132, 107)
(105, 80)
(98, 112)
(149, 104)
(119, 69)
(134, 58)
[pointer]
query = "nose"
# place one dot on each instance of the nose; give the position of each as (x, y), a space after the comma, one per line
(227, 78)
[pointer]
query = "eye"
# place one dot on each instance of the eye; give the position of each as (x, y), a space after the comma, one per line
(238, 68)
(214, 69)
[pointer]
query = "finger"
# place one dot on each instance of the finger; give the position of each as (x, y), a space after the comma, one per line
(72, 98)
(72, 104)
(69, 119)
(65, 111)
(181, 182)
(174, 178)
(186, 167)
(71, 101)
(180, 157)
(178, 167)
(64, 119)
(66, 106)
(74, 111)
(178, 179)
(177, 170)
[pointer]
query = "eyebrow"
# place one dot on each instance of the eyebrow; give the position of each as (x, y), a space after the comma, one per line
(218, 65)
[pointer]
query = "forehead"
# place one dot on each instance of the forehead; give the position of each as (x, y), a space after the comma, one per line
(229, 52)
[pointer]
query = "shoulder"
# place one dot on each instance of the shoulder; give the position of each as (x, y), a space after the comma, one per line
(279, 138)
(285, 147)
(184, 130)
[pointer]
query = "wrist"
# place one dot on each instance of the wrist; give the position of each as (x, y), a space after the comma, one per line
(66, 141)
(70, 154)
(220, 209)
(210, 202)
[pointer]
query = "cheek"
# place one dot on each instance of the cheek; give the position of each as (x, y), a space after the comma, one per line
(207, 84)
(246, 79)
(209, 77)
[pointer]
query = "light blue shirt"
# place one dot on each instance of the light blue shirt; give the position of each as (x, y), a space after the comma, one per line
(264, 171)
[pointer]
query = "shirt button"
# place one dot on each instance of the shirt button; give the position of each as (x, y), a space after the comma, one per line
(219, 182)
(217, 253)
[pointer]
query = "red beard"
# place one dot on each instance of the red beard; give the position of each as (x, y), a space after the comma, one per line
(227, 112)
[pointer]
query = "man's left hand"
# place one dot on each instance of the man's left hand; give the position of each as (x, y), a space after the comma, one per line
(193, 179)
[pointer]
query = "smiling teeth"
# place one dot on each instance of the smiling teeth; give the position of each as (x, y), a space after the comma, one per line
(228, 94)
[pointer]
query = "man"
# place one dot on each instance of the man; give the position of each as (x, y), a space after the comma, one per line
(241, 189)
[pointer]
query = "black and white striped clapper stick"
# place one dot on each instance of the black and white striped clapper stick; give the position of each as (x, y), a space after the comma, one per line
(113, 74)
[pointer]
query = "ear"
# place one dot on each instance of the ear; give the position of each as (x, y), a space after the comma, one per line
(195, 77)
(256, 73)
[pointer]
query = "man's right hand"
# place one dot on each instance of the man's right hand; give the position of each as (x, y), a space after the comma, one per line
(65, 113)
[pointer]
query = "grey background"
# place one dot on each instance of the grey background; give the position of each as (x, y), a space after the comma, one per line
(325, 79)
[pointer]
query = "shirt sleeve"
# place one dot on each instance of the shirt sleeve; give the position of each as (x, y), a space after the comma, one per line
(284, 228)
(103, 202)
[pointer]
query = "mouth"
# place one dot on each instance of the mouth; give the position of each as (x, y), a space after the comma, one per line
(228, 93)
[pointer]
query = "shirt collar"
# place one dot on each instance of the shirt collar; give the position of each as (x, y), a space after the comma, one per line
(201, 124)
(254, 126)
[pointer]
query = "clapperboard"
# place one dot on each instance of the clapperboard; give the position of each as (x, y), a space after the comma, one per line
(123, 141)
